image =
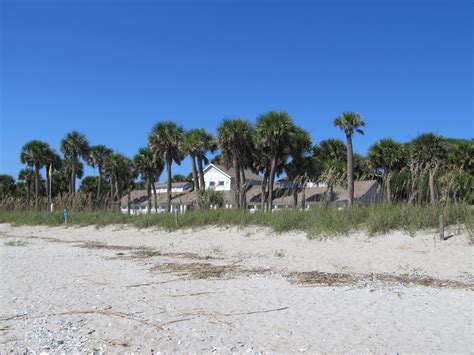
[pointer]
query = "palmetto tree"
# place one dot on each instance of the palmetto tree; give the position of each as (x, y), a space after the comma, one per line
(386, 156)
(27, 176)
(34, 154)
(74, 146)
(330, 149)
(197, 142)
(119, 168)
(232, 137)
(53, 161)
(205, 143)
(189, 145)
(275, 135)
(350, 122)
(461, 155)
(166, 141)
(150, 167)
(97, 156)
(428, 150)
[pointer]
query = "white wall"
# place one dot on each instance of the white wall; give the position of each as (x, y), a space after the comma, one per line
(165, 190)
(212, 175)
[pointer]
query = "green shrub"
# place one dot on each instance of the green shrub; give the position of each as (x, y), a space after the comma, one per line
(315, 222)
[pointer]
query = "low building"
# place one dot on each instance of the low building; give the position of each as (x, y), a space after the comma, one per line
(219, 178)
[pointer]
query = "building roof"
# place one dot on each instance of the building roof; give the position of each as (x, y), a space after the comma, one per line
(282, 196)
(249, 174)
(173, 185)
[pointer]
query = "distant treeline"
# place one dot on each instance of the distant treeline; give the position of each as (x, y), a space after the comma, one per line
(429, 169)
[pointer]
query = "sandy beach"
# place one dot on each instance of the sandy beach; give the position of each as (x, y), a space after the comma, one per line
(121, 289)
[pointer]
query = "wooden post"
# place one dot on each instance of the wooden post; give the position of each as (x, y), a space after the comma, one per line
(441, 227)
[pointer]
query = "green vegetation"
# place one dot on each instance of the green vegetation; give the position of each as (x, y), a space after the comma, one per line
(430, 169)
(15, 243)
(315, 222)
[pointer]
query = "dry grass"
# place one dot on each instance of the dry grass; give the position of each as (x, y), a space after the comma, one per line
(316, 278)
(206, 271)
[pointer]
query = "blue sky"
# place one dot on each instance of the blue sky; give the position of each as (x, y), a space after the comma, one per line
(112, 69)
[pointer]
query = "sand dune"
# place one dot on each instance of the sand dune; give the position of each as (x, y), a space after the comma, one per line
(120, 289)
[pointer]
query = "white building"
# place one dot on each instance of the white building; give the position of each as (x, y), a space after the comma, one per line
(219, 178)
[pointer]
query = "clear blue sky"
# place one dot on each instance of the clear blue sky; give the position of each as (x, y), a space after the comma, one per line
(111, 69)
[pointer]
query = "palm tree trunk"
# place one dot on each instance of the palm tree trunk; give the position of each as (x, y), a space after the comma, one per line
(202, 185)
(117, 193)
(37, 185)
(432, 186)
(414, 191)
(73, 178)
(350, 171)
(272, 181)
(156, 197)
(389, 187)
(47, 187)
(243, 190)
(263, 200)
(194, 169)
(168, 197)
(129, 200)
(148, 194)
(237, 179)
(28, 189)
(99, 186)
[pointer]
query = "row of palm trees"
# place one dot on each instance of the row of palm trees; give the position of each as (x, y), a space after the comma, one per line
(274, 145)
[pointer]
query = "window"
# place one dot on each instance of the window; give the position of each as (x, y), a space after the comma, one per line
(220, 183)
(212, 183)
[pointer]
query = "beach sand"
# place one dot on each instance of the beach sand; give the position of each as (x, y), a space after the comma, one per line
(121, 289)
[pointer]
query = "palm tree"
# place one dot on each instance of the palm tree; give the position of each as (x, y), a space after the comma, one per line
(350, 122)
(386, 156)
(150, 168)
(205, 143)
(190, 146)
(429, 150)
(119, 168)
(53, 162)
(74, 146)
(27, 176)
(330, 149)
(34, 154)
(97, 156)
(461, 155)
(166, 141)
(275, 135)
(232, 136)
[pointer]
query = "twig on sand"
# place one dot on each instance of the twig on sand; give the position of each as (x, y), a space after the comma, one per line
(253, 312)
(6, 318)
(154, 283)
(191, 294)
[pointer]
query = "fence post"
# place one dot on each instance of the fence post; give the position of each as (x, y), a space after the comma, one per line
(441, 227)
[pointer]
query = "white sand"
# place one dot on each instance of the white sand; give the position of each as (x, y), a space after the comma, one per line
(61, 293)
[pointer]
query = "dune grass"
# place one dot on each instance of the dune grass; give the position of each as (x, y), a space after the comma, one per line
(374, 219)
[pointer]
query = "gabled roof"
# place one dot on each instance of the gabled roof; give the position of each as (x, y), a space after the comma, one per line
(230, 173)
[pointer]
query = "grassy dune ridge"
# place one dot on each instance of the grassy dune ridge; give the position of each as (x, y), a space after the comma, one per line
(315, 222)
